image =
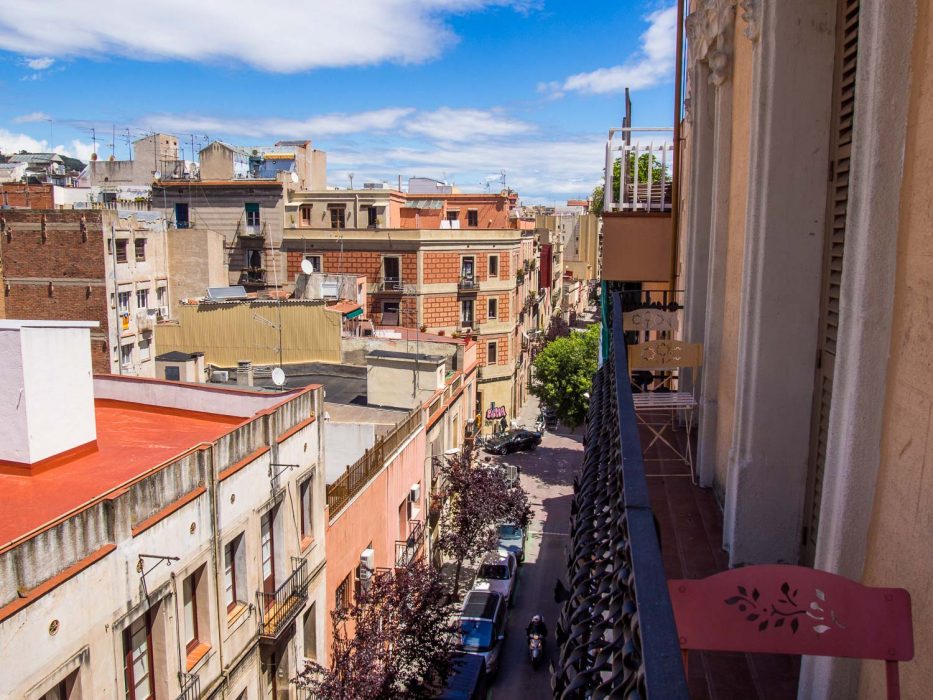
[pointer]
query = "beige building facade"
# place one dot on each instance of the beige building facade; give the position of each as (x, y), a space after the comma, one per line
(805, 245)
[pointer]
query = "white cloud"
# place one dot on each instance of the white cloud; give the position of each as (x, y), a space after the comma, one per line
(280, 36)
(652, 65)
(11, 142)
(39, 63)
(465, 124)
(32, 117)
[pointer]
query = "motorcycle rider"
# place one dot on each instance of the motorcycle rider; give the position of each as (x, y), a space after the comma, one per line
(536, 626)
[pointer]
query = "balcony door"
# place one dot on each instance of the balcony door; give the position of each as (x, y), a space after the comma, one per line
(391, 272)
(844, 93)
(267, 538)
(467, 268)
(252, 218)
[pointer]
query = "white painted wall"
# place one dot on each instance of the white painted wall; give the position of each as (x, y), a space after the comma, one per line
(47, 403)
(344, 443)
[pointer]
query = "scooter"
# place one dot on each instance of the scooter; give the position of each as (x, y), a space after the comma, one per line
(535, 649)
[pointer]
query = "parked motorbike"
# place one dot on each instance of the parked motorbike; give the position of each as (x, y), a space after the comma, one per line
(535, 649)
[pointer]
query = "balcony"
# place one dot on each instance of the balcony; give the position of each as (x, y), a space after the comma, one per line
(244, 230)
(279, 609)
(190, 687)
(468, 283)
(390, 285)
(638, 522)
(408, 550)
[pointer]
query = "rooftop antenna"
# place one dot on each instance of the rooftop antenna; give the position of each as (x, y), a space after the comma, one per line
(351, 180)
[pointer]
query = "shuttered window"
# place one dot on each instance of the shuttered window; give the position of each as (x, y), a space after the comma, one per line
(847, 21)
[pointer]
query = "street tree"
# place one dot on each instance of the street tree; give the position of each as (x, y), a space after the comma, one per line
(563, 374)
(393, 641)
(479, 498)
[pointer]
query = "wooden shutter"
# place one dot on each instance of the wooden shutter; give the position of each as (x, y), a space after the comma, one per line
(843, 112)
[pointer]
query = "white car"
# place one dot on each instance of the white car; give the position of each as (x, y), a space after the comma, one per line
(498, 573)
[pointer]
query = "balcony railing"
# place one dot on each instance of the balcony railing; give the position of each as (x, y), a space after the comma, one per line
(390, 284)
(190, 686)
(252, 230)
(468, 283)
(646, 170)
(406, 551)
(283, 606)
(617, 626)
(357, 475)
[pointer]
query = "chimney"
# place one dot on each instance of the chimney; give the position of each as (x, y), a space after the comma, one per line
(46, 389)
(244, 373)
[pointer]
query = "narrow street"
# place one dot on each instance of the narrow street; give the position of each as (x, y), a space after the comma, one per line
(547, 475)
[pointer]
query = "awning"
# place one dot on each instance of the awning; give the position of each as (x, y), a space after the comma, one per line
(355, 313)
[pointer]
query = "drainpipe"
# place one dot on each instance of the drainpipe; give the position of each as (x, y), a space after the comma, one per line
(675, 186)
(178, 640)
(356, 211)
(116, 299)
(215, 547)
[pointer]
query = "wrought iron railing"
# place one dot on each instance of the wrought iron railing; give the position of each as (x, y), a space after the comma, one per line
(190, 686)
(280, 608)
(390, 284)
(371, 463)
(468, 283)
(406, 551)
(617, 632)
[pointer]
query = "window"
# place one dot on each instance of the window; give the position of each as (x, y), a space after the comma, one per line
(391, 271)
(338, 216)
(123, 302)
(144, 351)
(140, 245)
(372, 217)
(126, 355)
(390, 316)
(190, 611)
(342, 594)
(492, 308)
(181, 215)
(466, 313)
(310, 629)
(267, 546)
(172, 374)
(492, 353)
(142, 299)
(235, 573)
(304, 214)
(161, 296)
(315, 261)
(64, 689)
(493, 265)
(251, 210)
(305, 503)
(121, 245)
(453, 215)
(472, 217)
(137, 659)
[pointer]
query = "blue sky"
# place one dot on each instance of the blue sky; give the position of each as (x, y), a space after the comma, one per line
(461, 89)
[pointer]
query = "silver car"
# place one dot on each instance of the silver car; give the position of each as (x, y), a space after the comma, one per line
(512, 539)
(483, 620)
(498, 573)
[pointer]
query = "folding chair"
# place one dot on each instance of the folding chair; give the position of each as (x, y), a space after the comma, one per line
(783, 609)
(659, 401)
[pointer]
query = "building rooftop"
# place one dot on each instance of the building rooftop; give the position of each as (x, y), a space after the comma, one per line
(132, 439)
(397, 355)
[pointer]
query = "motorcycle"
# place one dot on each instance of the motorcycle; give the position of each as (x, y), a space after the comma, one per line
(540, 425)
(535, 649)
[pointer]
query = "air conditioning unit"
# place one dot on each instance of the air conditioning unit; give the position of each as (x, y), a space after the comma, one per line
(414, 495)
(163, 312)
(367, 563)
(220, 375)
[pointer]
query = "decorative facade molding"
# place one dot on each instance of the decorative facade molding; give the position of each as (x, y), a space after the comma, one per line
(709, 33)
(751, 15)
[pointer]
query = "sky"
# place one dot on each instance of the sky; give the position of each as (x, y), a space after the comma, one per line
(459, 90)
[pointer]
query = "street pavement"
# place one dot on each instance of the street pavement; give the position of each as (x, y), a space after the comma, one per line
(547, 476)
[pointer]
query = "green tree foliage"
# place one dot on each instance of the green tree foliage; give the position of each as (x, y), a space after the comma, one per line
(658, 173)
(563, 373)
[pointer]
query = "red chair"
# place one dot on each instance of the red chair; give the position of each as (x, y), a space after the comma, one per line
(780, 609)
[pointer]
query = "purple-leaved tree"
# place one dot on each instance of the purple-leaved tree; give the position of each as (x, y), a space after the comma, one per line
(393, 641)
(479, 498)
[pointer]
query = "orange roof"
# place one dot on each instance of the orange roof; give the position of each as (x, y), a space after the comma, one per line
(131, 439)
(343, 306)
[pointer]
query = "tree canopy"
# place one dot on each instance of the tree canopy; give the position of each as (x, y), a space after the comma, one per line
(658, 173)
(563, 374)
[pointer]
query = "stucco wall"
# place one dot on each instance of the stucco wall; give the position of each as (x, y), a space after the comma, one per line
(735, 248)
(899, 542)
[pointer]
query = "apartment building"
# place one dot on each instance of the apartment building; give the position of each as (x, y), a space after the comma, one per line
(153, 157)
(447, 265)
(109, 266)
(579, 234)
(240, 194)
(157, 539)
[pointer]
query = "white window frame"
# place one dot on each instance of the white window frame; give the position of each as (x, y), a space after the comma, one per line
(492, 308)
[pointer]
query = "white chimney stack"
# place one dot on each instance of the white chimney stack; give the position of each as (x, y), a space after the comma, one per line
(46, 389)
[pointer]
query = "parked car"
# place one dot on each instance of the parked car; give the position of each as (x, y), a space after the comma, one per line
(515, 441)
(512, 539)
(467, 679)
(483, 619)
(498, 573)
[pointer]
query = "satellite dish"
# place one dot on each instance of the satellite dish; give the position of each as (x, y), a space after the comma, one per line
(278, 376)
(307, 266)
(157, 175)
